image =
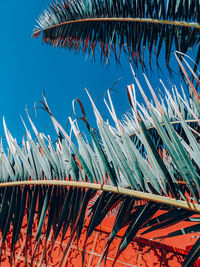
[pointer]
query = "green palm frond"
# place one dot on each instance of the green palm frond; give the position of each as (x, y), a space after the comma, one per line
(70, 183)
(115, 25)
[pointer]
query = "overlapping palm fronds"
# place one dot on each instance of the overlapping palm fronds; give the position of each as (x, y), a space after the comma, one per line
(182, 102)
(117, 25)
(160, 166)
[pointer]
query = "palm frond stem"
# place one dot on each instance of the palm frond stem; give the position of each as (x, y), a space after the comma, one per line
(173, 123)
(143, 20)
(118, 190)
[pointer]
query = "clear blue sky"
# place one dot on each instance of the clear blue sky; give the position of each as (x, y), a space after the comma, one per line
(27, 67)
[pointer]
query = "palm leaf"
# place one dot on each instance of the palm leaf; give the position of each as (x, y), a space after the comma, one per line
(121, 25)
(146, 164)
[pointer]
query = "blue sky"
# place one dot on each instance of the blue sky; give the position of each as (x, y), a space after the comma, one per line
(27, 67)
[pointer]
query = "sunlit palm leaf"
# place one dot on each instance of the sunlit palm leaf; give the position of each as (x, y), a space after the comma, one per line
(117, 25)
(71, 183)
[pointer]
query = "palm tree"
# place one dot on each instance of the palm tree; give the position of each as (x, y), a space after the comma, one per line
(147, 165)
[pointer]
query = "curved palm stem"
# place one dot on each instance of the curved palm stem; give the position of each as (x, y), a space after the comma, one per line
(173, 123)
(118, 190)
(144, 20)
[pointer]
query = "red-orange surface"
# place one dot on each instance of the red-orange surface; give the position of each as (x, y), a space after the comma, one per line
(141, 252)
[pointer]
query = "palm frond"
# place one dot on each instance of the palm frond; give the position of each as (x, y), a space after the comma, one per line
(131, 26)
(73, 184)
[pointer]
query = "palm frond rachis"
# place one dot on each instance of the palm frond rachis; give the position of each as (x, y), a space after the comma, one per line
(117, 25)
